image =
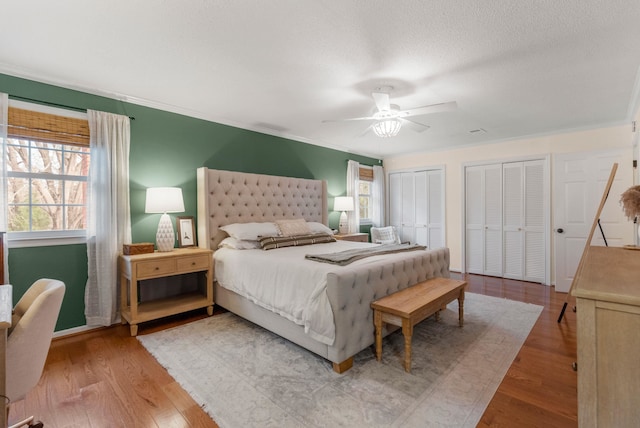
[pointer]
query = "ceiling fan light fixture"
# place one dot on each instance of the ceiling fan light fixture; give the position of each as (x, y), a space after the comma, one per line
(387, 128)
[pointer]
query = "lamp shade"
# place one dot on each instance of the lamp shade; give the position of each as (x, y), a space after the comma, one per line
(164, 200)
(343, 203)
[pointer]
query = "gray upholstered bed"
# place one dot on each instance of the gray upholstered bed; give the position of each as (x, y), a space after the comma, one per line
(226, 197)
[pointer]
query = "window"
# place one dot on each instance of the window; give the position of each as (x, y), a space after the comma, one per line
(365, 182)
(47, 160)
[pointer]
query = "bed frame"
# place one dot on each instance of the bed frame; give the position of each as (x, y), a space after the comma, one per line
(226, 197)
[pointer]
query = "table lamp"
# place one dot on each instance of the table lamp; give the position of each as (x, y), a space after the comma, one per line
(164, 200)
(344, 204)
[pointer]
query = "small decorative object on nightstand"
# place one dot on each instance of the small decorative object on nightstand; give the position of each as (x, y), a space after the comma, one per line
(358, 237)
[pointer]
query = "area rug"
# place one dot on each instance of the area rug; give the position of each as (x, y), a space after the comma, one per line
(245, 376)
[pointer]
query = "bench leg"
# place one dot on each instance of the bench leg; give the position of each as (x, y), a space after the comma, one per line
(407, 332)
(377, 320)
(461, 308)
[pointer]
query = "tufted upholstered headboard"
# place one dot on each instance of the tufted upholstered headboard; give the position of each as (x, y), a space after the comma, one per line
(226, 197)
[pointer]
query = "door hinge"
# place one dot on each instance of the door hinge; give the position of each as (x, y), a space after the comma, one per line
(633, 126)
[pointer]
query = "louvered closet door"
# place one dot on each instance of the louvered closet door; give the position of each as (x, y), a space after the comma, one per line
(436, 209)
(395, 200)
(534, 219)
(407, 228)
(513, 220)
(474, 216)
(523, 220)
(421, 198)
(483, 202)
(492, 191)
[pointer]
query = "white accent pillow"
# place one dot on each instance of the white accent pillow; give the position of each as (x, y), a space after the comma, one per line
(386, 241)
(237, 244)
(319, 227)
(250, 231)
(385, 235)
(293, 227)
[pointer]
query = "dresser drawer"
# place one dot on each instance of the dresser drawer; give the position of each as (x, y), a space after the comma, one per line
(153, 268)
(187, 264)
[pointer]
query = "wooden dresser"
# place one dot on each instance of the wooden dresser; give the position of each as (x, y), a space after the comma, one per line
(607, 290)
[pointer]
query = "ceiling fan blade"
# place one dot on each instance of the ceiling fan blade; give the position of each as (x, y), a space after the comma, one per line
(433, 108)
(415, 126)
(382, 101)
(366, 131)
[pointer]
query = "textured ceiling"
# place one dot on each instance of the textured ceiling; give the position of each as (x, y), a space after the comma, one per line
(515, 68)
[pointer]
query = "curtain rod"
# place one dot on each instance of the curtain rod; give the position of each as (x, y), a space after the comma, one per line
(17, 97)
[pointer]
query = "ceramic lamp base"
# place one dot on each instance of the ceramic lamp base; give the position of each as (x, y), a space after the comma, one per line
(165, 238)
(343, 226)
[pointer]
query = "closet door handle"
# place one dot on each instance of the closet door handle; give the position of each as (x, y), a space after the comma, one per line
(560, 230)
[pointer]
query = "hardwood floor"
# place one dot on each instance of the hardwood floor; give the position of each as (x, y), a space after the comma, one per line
(540, 387)
(105, 378)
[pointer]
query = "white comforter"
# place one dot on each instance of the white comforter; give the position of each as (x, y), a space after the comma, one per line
(282, 281)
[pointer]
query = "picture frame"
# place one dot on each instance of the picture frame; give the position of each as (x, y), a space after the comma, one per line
(186, 231)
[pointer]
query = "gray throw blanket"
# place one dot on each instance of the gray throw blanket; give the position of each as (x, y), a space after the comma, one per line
(343, 258)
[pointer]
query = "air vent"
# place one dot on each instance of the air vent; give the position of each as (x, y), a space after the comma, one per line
(477, 131)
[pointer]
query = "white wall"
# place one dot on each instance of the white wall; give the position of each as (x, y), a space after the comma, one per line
(582, 141)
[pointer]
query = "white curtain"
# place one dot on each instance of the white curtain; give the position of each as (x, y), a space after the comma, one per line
(353, 174)
(377, 197)
(108, 213)
(4, 119)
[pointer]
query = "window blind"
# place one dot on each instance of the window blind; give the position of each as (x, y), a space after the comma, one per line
(27, 124)
(365, 174)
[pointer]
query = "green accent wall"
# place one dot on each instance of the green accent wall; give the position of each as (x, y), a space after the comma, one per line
(166, 150)
(68, 263)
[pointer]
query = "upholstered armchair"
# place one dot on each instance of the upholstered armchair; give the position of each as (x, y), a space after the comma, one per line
(32, 324)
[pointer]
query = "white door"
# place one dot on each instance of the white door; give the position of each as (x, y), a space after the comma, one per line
(579, 182)
(492, 191)
(534, 209)
(416, 206)
(524, 205)
(421, 200)
(395, 200)
(474, 219)
(483, 216)
(407, 227)
(436, 209)
(513, 235)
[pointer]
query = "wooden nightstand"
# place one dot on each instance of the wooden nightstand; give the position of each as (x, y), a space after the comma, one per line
(358, 237)
(180, 261)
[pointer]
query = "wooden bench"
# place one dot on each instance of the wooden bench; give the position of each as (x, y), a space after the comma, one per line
(408, 307)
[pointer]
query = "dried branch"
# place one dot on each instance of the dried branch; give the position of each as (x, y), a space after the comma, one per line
(630, 201)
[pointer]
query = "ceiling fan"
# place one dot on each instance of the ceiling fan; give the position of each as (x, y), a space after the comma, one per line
(388, 120)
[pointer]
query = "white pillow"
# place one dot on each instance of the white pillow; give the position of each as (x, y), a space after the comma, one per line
(386, 241)
(385, 235)
(250, 231)
(319, 228)
(293, 227)
(237, 244)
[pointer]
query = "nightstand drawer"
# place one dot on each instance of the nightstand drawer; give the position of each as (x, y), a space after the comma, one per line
(154, 268)
(187, 264)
